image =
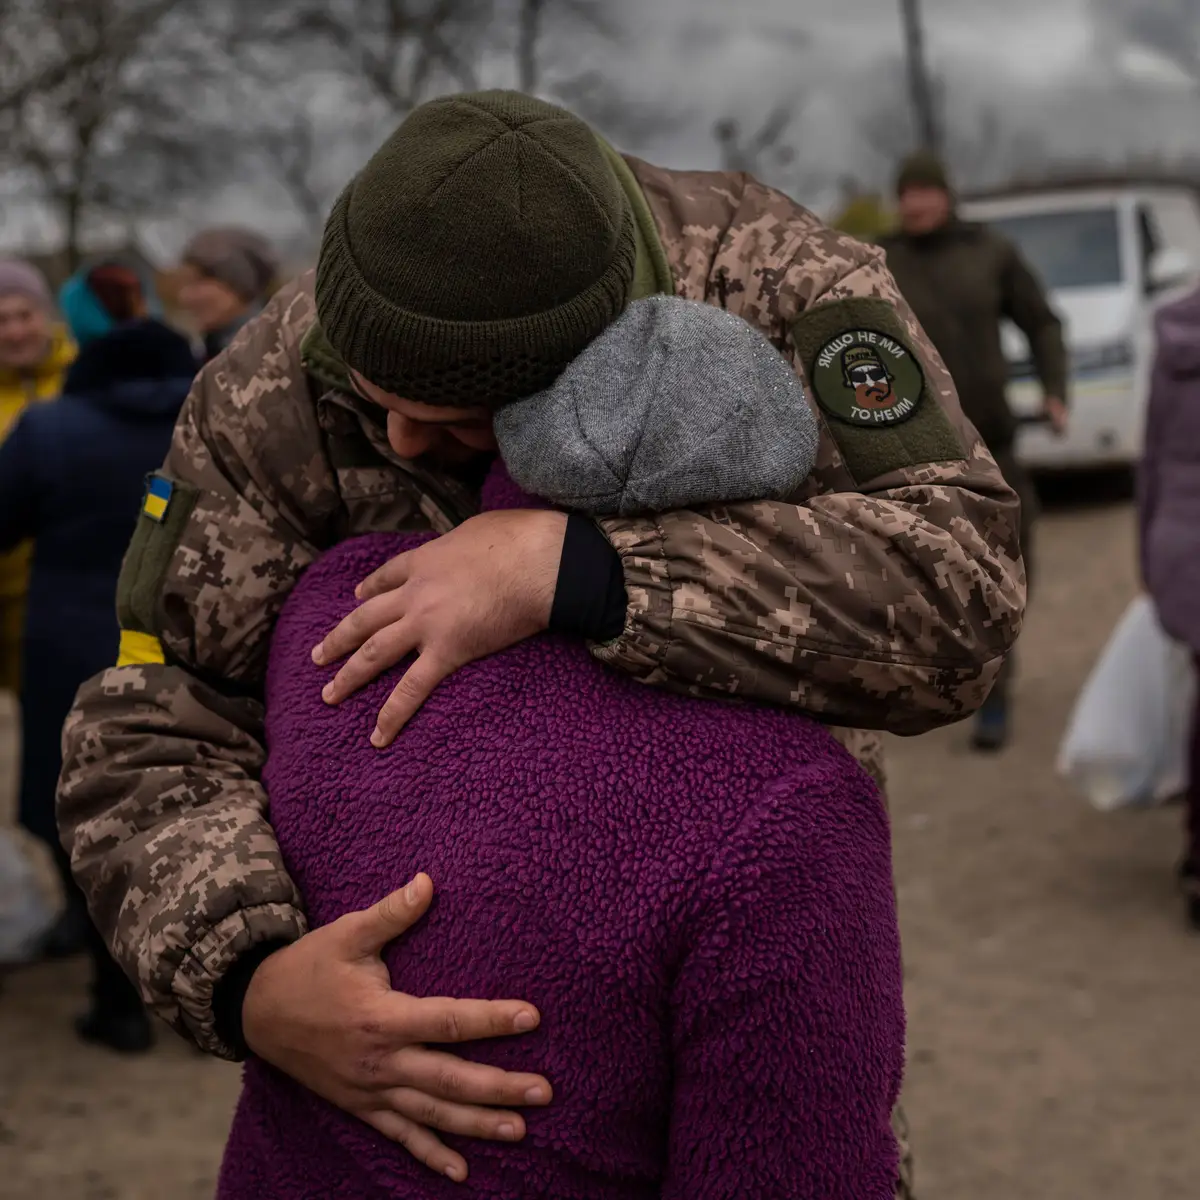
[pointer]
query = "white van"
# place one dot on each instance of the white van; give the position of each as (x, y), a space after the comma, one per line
(1109, 256)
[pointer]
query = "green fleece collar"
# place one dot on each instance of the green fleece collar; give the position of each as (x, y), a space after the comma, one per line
(651, 277)
(652, 274)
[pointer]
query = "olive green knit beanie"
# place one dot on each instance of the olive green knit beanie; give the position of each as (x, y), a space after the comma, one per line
(478, 252)
(923, 168)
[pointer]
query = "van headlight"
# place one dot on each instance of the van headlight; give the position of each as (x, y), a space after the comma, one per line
(1107, 356)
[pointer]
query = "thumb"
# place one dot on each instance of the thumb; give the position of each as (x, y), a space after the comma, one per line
(374, 927)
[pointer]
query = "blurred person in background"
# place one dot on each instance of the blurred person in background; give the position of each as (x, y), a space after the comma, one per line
(1169, 517)
(963, 280)
(71, 476)
(227, 275)
(35, 352)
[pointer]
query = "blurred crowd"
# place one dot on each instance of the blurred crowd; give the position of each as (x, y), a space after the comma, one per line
(91, 383)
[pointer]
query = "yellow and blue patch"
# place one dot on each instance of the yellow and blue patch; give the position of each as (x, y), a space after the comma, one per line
(159, 491)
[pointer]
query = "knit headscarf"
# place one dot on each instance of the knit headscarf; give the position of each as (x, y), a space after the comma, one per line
(96, 299)
(239, 258)
(18, 278)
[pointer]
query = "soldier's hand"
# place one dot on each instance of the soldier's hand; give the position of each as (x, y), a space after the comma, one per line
(474, 591)
(323, 1011)
(1056, 413)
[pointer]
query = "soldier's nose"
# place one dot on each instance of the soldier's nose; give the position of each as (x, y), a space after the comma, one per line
(409, 439)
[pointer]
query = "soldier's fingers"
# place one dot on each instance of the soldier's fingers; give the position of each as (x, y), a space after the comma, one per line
(415, 687)
(352, 631)
(391, 575)
(436, 1073)
(371, 929)
(493, 1125)
(380, 652)
(442, 1019)
(424, 1146)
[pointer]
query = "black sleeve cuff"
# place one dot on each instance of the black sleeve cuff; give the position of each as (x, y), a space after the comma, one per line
(589, 598)
(230, 994)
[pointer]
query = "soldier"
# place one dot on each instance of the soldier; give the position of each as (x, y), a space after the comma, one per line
(962, 280)
(479, 251)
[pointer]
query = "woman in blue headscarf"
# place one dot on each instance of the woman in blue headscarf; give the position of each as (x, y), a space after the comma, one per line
(71, 476)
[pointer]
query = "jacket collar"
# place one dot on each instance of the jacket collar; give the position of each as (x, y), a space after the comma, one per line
(652, 273)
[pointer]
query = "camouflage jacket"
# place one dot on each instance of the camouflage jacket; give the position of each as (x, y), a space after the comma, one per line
(885, 596)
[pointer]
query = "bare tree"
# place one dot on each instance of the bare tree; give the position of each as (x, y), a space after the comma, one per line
(99, 131)
(555, 40)
(535, 19)
(921, 88)
(380, 58)
(756, 152)
(530, 14)
(290, 151)
(399, 50)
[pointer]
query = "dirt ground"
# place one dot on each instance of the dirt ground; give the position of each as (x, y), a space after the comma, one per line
(1051, 985)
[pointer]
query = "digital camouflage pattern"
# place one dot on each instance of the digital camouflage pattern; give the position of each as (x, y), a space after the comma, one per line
(880, 605)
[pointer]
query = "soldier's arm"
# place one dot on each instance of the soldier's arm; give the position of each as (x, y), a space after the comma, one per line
(1026, 305)
(160, 803)
(885, 596)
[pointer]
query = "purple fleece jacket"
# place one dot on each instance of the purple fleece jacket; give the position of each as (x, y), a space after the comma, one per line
(696, 894)
(1169, 482)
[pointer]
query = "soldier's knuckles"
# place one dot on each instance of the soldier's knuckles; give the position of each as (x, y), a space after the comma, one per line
(426, 1112)
(371, 652)
(368, 1066)
(450, 1026)
(450, 1083)
(411, 687)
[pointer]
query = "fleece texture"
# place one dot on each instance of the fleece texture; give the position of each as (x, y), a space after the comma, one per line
(1169, 480)
(696, 894)
(674, 404)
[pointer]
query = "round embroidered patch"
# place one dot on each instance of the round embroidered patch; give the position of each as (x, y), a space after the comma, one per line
(868, 379)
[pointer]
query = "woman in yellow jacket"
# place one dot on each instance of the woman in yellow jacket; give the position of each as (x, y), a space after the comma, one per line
(34, 355)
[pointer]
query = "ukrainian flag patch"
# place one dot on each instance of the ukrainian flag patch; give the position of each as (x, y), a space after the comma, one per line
(159, 490)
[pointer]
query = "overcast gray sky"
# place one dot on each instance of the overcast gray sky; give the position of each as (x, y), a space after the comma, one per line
(709, 58)
(1058, 71)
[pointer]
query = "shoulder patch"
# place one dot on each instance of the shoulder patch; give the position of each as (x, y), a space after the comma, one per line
(166, 509)
(158, 497)
(867, 378)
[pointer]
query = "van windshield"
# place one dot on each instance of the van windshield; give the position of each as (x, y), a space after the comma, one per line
(1069, 249)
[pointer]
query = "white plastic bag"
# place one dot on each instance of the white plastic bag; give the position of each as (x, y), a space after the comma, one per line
(25, 913)
(1127, 742)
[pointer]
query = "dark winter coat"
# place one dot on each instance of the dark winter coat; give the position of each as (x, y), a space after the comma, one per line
(962, 282)
(72, 473)
(1169, 491)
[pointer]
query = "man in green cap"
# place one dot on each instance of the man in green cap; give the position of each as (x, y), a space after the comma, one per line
(963, 281)
(484, 246)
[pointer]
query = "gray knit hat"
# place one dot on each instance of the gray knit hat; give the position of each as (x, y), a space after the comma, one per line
(19, 278)
(675, 404)
(239, 258)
